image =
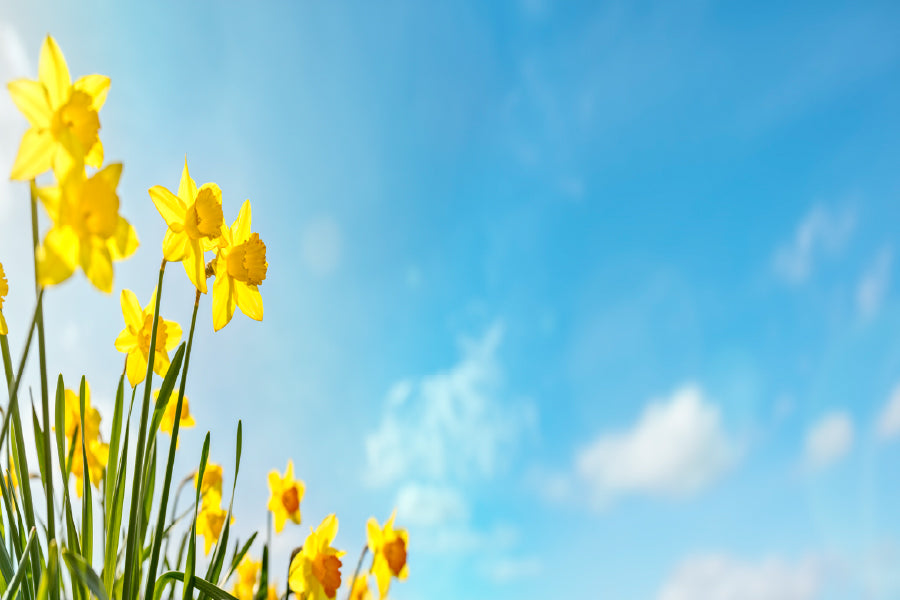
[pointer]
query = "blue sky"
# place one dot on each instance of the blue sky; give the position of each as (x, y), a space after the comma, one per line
(601, 296)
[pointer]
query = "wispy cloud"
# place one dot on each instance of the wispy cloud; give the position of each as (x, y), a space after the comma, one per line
(828, 440)
(822, 231)
(677, 447)
(888, 424)
(874, 283)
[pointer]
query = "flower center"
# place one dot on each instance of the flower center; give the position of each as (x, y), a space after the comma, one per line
(327, 570)
(146, 333)
(247, 261)
(99, 208)
(395, 553)
(290, 499)
(204, 217)
(78, 118)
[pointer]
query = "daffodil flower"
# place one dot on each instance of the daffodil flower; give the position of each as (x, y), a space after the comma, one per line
(248, 573)
(195, 222)
(210, 520)
(211, 489)
(134, 340)
(315, 571)
(64, 117)
(388, 546)
(167, 424)
(286, 496)
(87, 231)
(359, 590)
(240, 267)
(4, 290)
(97, 451)
(273, 593)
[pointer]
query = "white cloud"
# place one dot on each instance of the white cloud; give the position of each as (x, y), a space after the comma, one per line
(430, 505)
(449, 425)
(820, 231)
(321, 245)
(721, 577)
(505, 570)
(873, 285)
(676, 448)
(14, 64)
(888, 425)
(828, 439)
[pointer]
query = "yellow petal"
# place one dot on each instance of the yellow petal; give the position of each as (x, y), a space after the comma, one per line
(31, 98)
(174, 245)
(194, 266)
(249, 300)
(95, 86)
(373, 534)
(49, 197)
(131, 309)
(4, 330)
(136, 367)
(170, 207)
(97, 265)
(124, 241)
(94, 156)
(173, 334)
(53, 72)
(187, 189)
(328, 528)
(57, 257)
(126, 341)
(240, 231)
(35, 155)
(222, 300)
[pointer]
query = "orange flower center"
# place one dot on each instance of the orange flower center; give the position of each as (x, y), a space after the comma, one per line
(395, 553)
(290, 499)
(146, 333)
(327, 569)
(247, 261)
(204, 217)
(78, 118)
(99, 208)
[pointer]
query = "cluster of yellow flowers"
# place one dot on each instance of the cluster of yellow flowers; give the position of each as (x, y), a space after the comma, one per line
(88, 233)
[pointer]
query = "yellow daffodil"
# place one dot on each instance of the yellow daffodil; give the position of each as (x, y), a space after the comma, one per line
(4, 290)
(240, 267)
(211, 490)
(167, 424)
(360, 589)
(97, 451)
(286, 496)
(315, 571)
(210, 520)
(248, 573)
(134, 340)
(195, 223)
(64, 117)
(388, 546)
(273, 593)
(11, 480)
(87, 231)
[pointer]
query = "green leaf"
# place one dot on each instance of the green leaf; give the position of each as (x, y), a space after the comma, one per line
(21, 569)
(85, 574)
(49, 580)
(87, 513)
(239, 555)
(191, 566)
(114, 521)
(204, 586)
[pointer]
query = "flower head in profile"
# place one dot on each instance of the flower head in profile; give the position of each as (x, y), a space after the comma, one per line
(360, 588)
(167, 424)
(210, 520)
(135, 339)
(388, 546)
(64, 117)
(286, 496)
(248, 573)
(87, 230)
(195, 223)
(97, 451)
(240, 267)
(211, 489)
(315, 571)
(4, 290)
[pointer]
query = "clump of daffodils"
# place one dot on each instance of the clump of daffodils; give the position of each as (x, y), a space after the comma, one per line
(124, 483)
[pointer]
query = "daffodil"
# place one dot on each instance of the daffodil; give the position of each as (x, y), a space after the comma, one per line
(286, 496)
(167, 424)
(4, 290)
(97, 451)
(211, 489)
(195, 223)
(87, 231)
(11, 480)
(240, 267)
(64, 117)
(134, 340)
(315, 571)
(210, 520)
(388, 546)
(273, 593)
(360, 589)
(248, 573)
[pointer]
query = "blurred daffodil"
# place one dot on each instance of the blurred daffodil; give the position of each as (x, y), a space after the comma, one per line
(97, 451)
(211, 489)
(388, 546)
(134, 340)
(64, 117)
(248, 573)
(273, 593)
(286, 496)
(210, 520)
(87, 230)
(4, 290)
(240, 267)
(195, 222)
(315, 571)
(167, 424)
(360, 588)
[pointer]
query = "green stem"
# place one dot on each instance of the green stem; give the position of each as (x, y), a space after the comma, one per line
(173, 443)
(14, 389)
(7, 361)
(362, 555)
(133, 546)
